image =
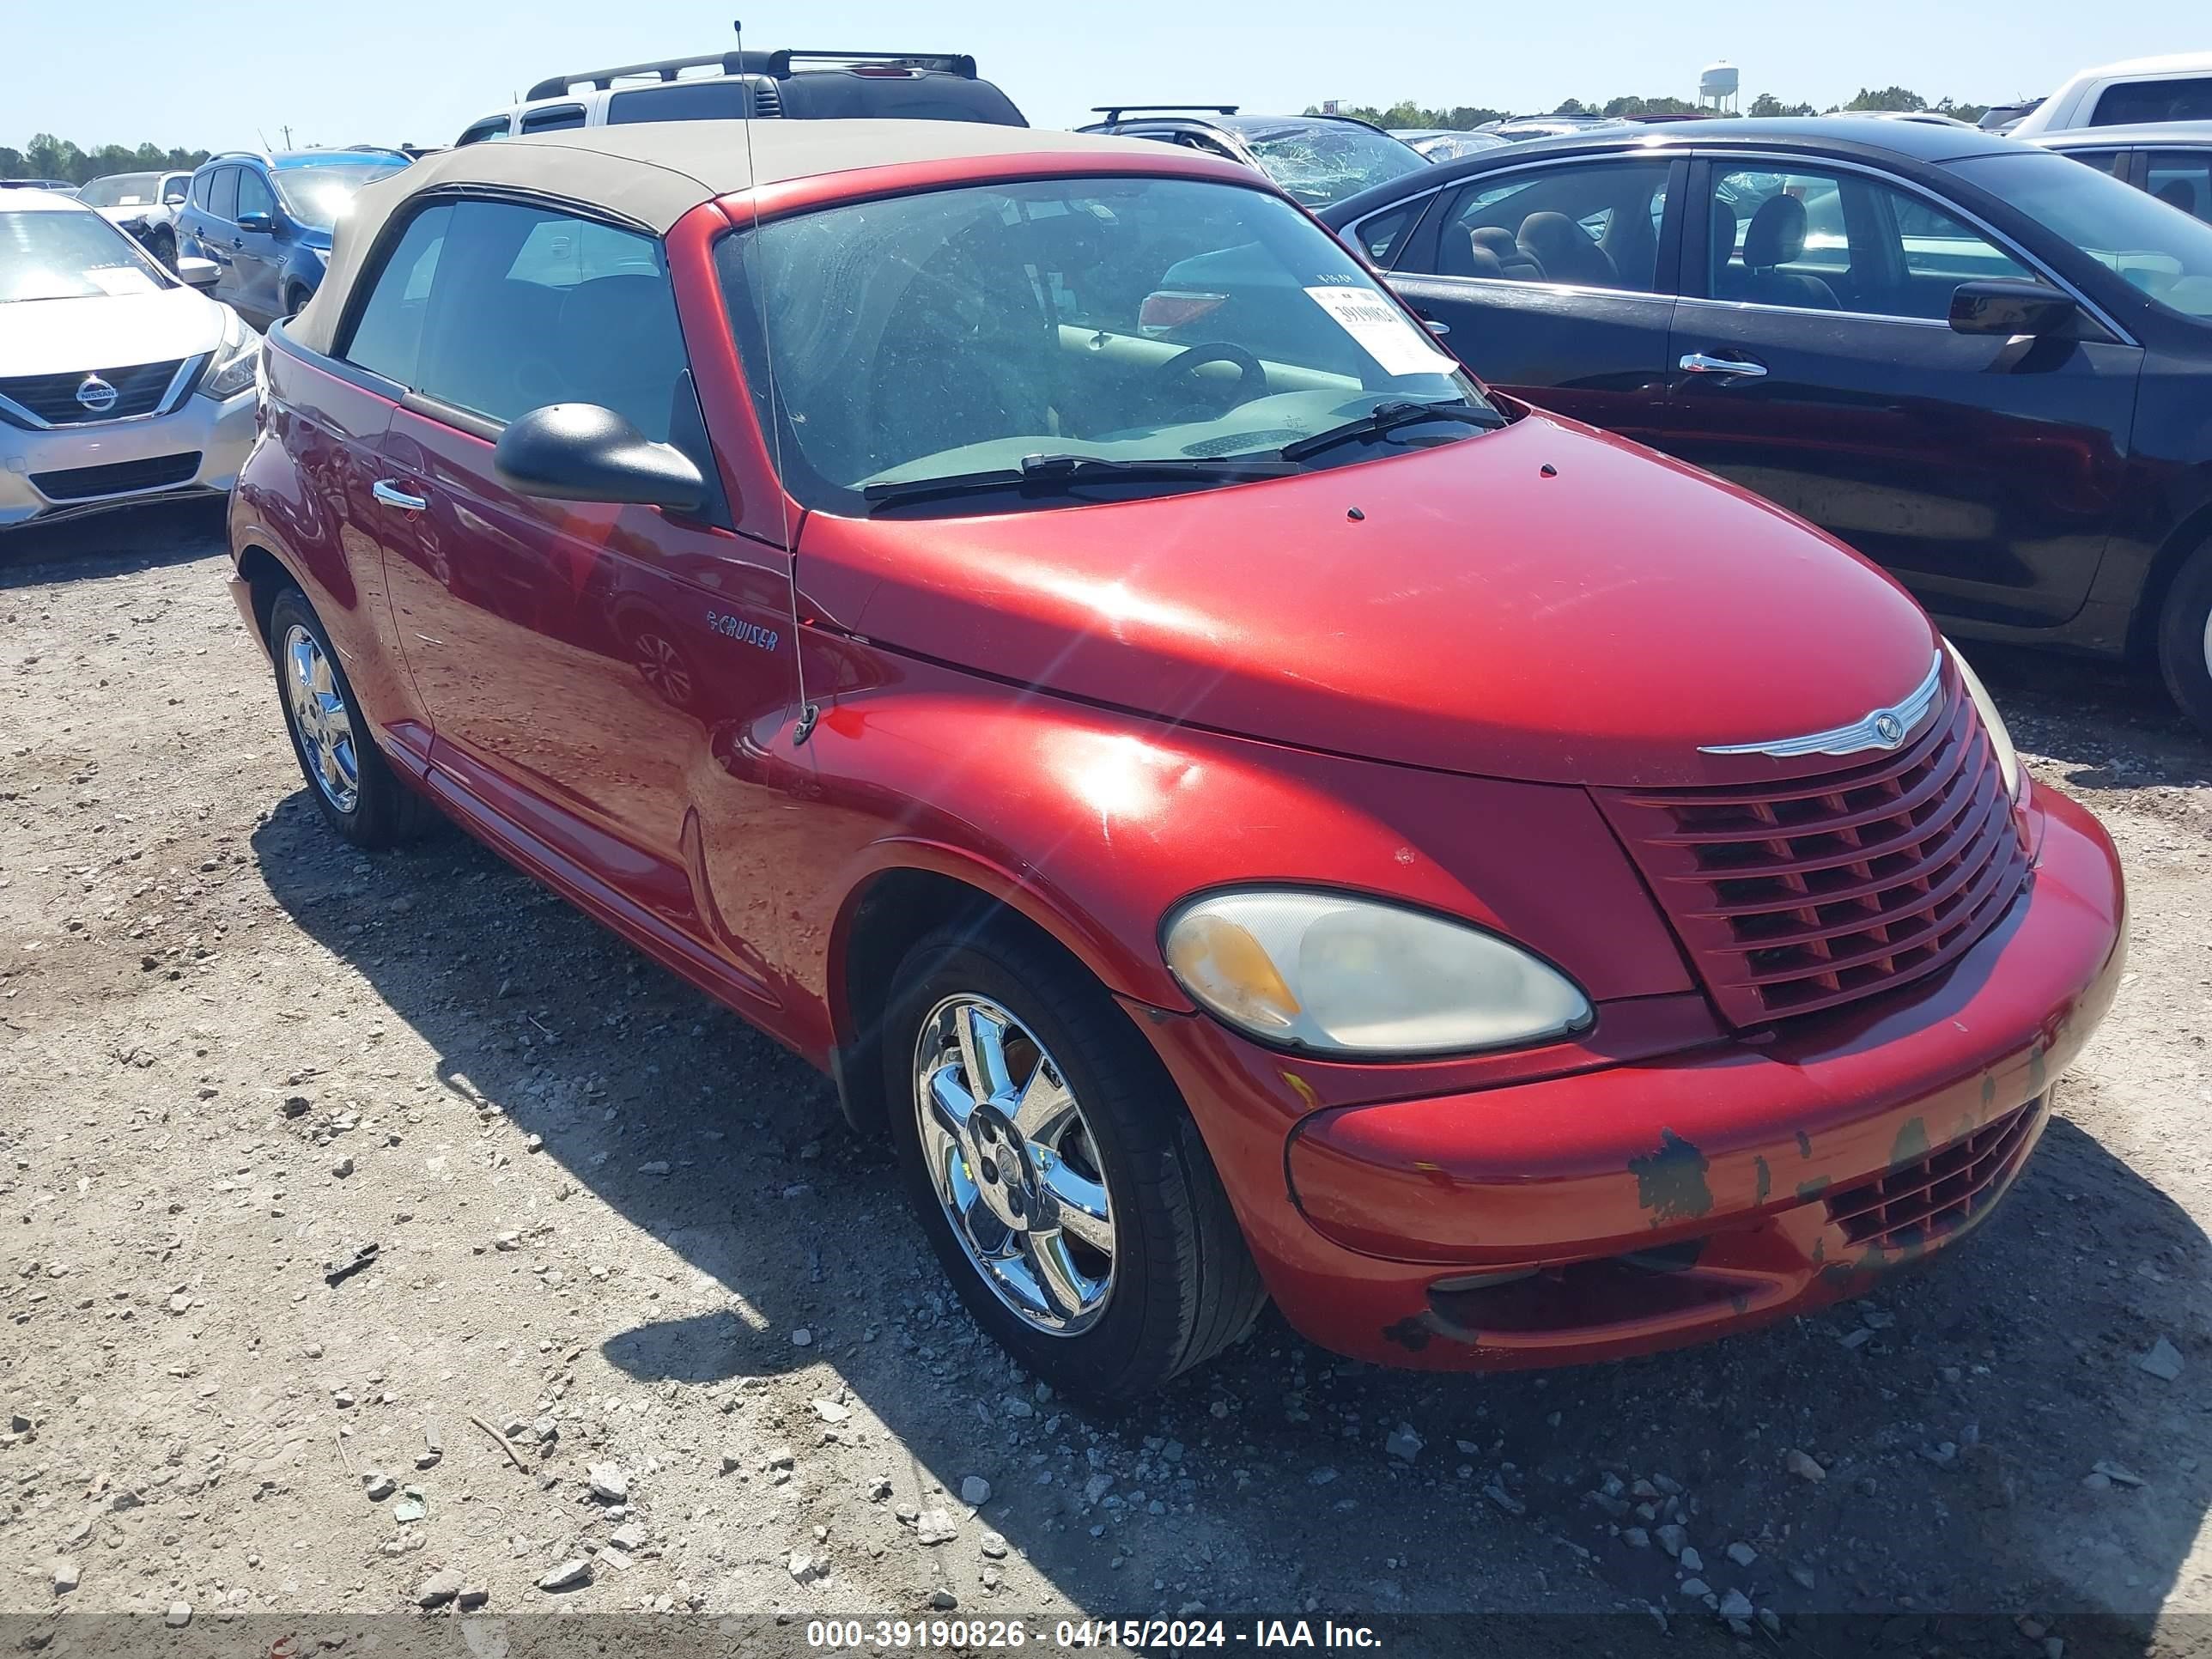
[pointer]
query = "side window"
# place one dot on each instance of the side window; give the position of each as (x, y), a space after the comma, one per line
(529, 306)
(253, 196)
(558, 118)
(492, 126)
(2182, 179)
(1940, 251)
(2181, 98)
(1841, 242)
(2114, 162)
(387, 335)
(172, 189)
(1587, 225)
(222, 200)
(202, 192)
(1379, 234)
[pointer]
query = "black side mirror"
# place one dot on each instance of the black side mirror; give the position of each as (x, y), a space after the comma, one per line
(583, 453)
(2012, 308)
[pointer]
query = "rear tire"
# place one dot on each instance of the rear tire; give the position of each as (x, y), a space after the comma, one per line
(163, 246)
(1180, 1285)
(2185, 638)
(350, 781)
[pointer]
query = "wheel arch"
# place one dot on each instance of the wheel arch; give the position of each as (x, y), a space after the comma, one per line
(2193, 532)
(919, 888)
(265, 576)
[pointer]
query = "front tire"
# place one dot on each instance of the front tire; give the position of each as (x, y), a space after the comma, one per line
(163, 247)
(2185, 639)
(350, 783)
(1057, 1170)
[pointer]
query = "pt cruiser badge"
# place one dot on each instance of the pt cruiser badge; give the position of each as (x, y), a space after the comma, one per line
(1885, 728)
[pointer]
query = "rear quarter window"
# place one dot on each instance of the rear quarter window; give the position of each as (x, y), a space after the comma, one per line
(698, 100)
(2181, 98)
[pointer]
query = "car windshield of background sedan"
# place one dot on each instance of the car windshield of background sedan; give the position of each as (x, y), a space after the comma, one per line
(121, 190)
(1328, 161)
(1174, 325)
(69, 256)
(318, 196)
(2157, 248)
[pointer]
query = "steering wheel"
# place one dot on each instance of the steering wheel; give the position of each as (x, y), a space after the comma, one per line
(1251, 378)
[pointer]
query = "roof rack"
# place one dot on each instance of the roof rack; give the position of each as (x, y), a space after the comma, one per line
(780, 65)
(1115, 112)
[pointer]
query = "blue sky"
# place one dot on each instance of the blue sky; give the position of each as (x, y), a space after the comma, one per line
(221, 73)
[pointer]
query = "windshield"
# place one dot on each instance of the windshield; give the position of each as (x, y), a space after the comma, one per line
(121, 190)
(69, 256)
(318, 196)
(1330, 160)
(944, 334)
(2159, 250)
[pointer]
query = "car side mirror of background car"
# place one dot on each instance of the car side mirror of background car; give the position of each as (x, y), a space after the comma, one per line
(2010, 309)
(583, 453)
(196, 272)
(256, 222)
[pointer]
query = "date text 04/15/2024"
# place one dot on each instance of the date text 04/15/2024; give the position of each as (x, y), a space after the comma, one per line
(896, 1635)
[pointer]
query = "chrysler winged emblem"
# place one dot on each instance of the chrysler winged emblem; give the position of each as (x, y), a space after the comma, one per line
(1883, 728)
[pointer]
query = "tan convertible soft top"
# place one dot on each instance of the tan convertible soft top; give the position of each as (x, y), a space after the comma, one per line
(655, 173)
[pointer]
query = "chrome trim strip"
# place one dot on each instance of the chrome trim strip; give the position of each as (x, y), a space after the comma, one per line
(1515, 285)
(1811, 310)
(1880, 728)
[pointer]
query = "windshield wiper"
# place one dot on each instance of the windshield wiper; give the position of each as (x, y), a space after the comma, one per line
(1039, 470)
(1388, 417)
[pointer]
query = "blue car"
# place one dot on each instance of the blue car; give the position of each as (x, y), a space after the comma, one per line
(265, 220)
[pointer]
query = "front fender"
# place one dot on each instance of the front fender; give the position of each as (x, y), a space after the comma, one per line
(1094, 824)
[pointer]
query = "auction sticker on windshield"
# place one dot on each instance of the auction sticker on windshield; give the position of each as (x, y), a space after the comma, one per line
(1382, 332)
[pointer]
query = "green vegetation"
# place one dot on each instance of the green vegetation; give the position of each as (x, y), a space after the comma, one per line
(49, 157)
(1460, 118)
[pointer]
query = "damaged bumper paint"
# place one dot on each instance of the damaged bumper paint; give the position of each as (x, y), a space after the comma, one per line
(1651, 1203)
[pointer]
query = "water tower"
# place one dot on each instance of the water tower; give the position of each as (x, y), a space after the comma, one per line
(1717, 88)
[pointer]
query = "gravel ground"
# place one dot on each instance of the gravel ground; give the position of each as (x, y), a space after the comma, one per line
(628, 1238)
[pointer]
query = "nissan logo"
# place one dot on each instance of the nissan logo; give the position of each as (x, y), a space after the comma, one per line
(96, 395)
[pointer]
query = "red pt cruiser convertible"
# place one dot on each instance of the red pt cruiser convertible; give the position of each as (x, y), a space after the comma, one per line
(1248, 812)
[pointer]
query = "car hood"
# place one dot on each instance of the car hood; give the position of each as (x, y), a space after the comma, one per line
(1543, 602)
(55, 336)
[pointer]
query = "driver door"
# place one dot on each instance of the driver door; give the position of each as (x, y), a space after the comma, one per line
(1813, 362)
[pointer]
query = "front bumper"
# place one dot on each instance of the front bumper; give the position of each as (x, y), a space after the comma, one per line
(1649, 1204)
(146, 454)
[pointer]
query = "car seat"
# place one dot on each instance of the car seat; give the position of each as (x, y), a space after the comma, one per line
(1563, 252)
(1777, 236)
(1513, 260)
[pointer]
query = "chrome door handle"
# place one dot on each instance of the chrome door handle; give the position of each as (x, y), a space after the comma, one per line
(392, 495)
(1433, 326)
(1697, 362)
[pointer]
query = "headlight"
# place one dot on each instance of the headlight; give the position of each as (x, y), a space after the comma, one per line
(236, 362)
(1338, 975)
(1992, 722)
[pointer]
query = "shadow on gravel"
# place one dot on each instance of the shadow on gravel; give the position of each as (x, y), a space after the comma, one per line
(2112, 725)
(1956, 1413)
(112, 544)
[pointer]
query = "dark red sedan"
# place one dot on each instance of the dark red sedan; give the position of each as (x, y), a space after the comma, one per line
(1261, 817)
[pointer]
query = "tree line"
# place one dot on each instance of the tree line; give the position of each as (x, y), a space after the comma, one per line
(49, 157)
(1463, 118)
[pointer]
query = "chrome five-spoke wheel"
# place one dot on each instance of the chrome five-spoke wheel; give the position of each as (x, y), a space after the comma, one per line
(1010, 1159)
(319, 717)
